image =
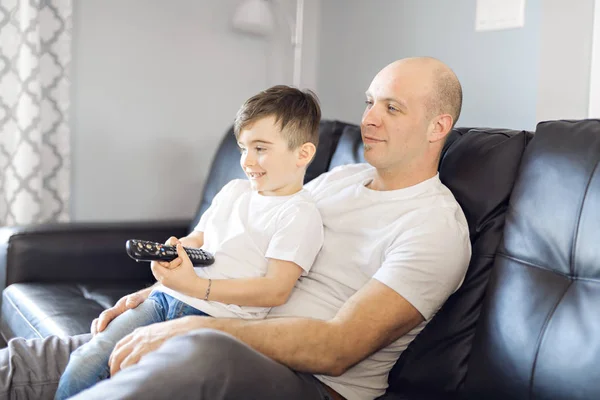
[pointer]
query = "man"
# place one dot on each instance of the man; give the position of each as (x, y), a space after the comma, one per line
(396, 246)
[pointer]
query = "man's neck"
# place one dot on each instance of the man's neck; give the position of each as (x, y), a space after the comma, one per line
(393, 179)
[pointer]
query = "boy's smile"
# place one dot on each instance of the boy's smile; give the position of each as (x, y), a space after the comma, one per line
(255, 175)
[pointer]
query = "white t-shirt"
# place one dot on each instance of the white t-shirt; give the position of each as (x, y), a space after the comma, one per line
(243, 229)
(414, 240)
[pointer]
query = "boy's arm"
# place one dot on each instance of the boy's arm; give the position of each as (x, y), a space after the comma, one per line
(271, 290)
(299, 238)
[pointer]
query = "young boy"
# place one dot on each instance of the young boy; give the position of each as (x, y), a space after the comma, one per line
(265, 233)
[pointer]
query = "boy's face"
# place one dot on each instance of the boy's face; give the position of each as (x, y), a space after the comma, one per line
(273, 169)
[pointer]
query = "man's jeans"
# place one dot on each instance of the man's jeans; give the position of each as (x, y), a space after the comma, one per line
(89, 363)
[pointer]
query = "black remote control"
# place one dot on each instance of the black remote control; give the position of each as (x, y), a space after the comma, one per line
(143, 250)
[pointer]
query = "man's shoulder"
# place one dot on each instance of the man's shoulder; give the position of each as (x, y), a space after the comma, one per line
(439, 211)
(343, 174)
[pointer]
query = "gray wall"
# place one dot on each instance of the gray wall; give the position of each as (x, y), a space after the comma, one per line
(498, 69)
(565, 59)
(155, 85)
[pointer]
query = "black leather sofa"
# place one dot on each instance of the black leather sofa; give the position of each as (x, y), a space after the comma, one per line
(524, 325)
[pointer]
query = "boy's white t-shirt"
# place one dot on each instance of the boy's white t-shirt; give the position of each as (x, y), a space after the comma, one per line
(243, 230)
(413, 240)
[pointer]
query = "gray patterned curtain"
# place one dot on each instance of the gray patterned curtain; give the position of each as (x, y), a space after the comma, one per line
(35, 57)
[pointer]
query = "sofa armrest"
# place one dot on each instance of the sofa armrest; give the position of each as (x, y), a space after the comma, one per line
(78, 252)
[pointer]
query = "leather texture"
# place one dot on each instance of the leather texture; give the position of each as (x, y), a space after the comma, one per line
(37, 310)
(539, 334)
(47, 268)
(79, 252)
(349, 149)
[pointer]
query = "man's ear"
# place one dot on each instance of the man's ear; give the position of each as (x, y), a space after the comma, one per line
(442, 125)
(305, 153)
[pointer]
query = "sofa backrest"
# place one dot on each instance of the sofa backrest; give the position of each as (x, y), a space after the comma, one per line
(539, 333)
(480, 167)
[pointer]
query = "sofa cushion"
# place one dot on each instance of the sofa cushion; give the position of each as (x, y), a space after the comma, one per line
(538, 334)
(36, 310)
(480, 168)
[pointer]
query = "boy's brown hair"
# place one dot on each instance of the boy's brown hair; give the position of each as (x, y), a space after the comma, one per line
(297, 111)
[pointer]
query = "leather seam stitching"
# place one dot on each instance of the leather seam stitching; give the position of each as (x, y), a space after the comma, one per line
(530, 264)
(541, 338)
(13, 304)
(576, 232)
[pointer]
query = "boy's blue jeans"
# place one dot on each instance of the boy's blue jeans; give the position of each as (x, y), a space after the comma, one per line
(89, 363)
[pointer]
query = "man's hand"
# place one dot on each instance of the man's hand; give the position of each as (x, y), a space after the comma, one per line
(144, 340)
(131, 300)
(125, 303)
(179, 274)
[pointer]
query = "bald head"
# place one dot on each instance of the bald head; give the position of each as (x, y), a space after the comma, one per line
(443, 92)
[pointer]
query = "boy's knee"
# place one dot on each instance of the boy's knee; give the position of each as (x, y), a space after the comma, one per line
(94, 349)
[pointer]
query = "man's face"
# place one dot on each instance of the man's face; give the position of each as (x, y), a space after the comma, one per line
(395, 122)
(269, 164)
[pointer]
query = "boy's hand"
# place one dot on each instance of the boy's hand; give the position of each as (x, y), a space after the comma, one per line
(172, 241)
(178, 275)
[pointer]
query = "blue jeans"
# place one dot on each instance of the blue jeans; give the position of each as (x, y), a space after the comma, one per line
(89, 363)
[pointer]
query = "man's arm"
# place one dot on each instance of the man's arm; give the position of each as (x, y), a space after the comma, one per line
(370, 320)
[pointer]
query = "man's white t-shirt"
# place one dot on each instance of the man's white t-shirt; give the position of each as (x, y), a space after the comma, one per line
(414, 240)
(243, 230)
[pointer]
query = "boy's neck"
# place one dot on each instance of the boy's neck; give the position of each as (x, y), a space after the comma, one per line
(286, 190)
